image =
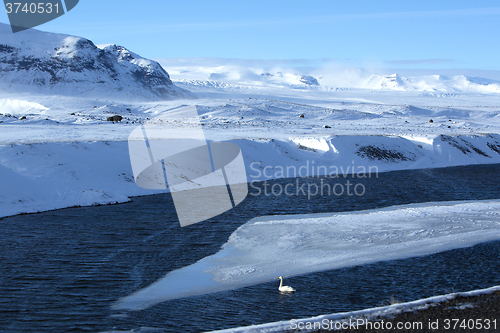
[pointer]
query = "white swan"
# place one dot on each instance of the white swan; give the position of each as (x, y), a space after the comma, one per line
(284, 288)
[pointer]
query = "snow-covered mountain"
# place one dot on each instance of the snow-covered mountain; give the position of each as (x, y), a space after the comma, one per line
(432, 83)
(238, 75)
(61, 64)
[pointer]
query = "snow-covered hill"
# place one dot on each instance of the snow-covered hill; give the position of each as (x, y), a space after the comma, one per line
(60, 64)
(433, 83)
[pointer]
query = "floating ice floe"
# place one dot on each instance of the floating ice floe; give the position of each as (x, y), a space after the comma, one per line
(267, 247)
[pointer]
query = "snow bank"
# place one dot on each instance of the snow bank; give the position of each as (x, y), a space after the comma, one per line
(45, 176)
(17, 106)
(343, 156)
(267, 247)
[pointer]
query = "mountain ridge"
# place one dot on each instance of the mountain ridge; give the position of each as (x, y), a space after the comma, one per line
(257, 74)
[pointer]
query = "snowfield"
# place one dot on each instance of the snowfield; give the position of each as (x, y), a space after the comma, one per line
(66, 153)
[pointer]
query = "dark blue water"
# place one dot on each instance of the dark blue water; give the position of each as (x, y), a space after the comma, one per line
(62, 270)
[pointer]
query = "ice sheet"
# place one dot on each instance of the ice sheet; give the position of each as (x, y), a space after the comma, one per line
(267, 247)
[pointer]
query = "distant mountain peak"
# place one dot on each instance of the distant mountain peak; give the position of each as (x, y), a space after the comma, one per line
(309, 80)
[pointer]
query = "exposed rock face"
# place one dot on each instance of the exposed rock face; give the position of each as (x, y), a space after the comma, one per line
(70, 65)
(309, 80)
(114, 118)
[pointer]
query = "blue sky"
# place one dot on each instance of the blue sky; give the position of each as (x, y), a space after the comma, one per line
(396, 34)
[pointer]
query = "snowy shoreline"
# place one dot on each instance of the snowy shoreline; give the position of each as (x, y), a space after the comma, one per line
(46, 176)
(313, 324)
